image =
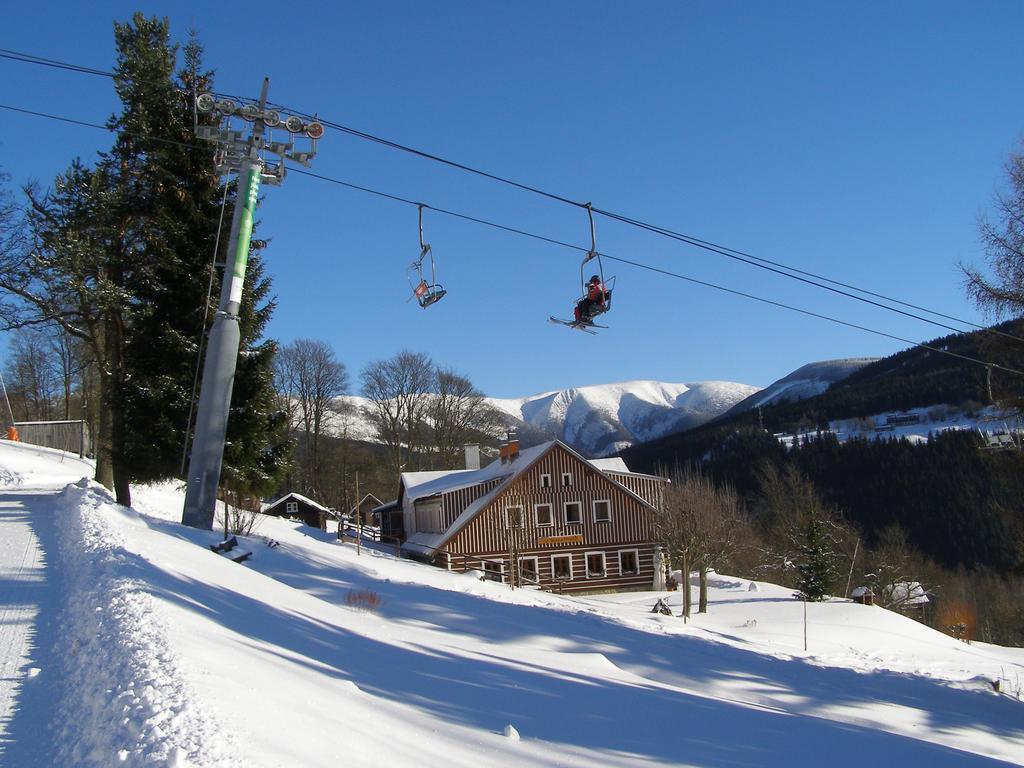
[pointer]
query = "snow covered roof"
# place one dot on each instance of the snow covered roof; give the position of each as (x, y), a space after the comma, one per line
(304, 499)
(413, 482)
(613, 464)
(363, 501)
(419, 485)
(426, 484)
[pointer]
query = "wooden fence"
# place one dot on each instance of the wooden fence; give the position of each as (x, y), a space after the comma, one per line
(70, 436)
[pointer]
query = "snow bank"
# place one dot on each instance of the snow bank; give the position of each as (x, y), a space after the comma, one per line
(124, 702)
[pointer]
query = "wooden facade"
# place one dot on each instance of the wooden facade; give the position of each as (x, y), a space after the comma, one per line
(298, 507)
(364, 509)
(565, 524)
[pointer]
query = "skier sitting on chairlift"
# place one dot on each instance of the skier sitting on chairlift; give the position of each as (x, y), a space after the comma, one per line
(593, 303)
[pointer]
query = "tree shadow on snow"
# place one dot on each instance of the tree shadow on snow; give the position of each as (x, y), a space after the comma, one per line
(652, 707)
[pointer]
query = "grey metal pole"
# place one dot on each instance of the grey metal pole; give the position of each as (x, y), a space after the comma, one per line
(221, 358)
(243, 155)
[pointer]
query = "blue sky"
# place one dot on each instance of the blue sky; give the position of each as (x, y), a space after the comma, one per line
(859, 141)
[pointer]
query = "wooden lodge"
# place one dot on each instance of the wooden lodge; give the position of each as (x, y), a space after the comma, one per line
(544, 516)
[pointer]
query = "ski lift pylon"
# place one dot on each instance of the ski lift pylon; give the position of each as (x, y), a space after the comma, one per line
(425, 293)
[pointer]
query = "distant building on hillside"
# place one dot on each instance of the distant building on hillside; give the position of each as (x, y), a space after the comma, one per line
(902, 419)
(543, 516)
(364, 510)
(298, 507)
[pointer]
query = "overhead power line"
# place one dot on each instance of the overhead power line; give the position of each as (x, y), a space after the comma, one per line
(779, 268)
(552, 241)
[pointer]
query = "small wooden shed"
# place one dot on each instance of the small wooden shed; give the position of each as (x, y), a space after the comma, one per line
(298, 507)
(364, 510)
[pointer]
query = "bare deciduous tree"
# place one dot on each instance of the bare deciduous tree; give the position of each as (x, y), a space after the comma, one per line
(1003, 238)
(398, 390)
(700, 526)
(32, 375)
(311, 382)
(458, 411)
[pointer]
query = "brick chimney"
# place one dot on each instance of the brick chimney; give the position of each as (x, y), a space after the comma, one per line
(510, 449)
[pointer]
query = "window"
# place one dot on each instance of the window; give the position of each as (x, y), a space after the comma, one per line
(573, 513)
(561, 567)
(629, 562)
(513, 517)
(493, 570)
(602, 511)
(566, 479)
(543, 514)
(595, 564)
(291, 507)
(528, 570)
(545, 481)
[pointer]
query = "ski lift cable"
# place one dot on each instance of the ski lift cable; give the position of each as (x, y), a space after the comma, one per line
(668, 273)
(27, 58)
(744, 257)
(810, 313)
(726, 252)
(779, 268)
(560, 243)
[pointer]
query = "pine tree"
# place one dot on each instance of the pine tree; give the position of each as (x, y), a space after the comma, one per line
(172, 200)
(124, 249)
(180, 234)
(817, 560)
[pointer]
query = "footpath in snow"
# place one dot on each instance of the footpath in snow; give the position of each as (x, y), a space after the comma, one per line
(140, 646)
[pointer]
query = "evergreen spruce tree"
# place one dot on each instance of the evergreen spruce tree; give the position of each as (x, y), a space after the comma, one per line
(179, 235)
(124, 253)
(817, 564)
(170, 196)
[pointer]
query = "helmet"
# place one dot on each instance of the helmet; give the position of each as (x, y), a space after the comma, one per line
(594, 279)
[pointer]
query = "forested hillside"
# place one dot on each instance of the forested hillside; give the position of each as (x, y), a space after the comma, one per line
(914, 378)
(954, 509)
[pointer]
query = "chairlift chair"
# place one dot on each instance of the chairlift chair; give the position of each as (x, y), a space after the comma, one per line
(599, 308)
(425, 293)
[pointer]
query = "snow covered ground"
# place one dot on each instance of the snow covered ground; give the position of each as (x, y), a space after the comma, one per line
(126, 641)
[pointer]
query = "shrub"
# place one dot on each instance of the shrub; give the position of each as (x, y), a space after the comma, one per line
(362, 600)
(957, 618)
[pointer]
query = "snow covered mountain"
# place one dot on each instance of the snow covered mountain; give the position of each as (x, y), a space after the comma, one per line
(602, 419)
(596, 420)
(807, 381)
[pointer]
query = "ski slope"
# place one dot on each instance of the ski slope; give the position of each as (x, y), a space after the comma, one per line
(143, 647)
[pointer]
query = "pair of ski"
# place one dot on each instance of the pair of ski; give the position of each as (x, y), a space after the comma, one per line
(579, 325)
